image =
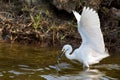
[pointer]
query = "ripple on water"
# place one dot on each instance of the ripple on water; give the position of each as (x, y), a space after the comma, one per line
(29, 69)
(16, 72)
(1, 74)
(21, 65)
(92, 74)
(109, 66)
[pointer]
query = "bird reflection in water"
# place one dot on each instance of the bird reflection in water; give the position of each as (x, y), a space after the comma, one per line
(66, 71)
(88, 74)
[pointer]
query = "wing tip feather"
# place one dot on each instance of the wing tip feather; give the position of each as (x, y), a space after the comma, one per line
(87, 10)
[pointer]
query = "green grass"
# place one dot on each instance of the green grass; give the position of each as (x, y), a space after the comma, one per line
(36, 20)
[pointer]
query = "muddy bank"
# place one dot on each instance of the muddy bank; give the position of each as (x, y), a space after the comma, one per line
(51, 23)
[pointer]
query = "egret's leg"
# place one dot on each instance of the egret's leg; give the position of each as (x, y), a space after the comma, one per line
(85, 65)
(85, 68)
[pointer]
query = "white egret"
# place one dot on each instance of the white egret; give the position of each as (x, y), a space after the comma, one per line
(92, 48)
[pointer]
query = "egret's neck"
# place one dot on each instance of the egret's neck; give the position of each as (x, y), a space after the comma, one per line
(68, 55)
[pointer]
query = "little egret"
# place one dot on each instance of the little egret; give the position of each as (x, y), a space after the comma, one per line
(92, 48)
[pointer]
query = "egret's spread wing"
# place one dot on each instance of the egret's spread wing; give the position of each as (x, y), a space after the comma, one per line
(89, 29)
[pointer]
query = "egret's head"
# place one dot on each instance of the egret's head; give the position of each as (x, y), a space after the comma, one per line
(64, 50)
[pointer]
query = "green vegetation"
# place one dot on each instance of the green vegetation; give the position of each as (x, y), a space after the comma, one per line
(36, 20)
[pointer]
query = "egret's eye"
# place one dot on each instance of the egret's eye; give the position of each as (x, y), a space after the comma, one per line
(65, 50)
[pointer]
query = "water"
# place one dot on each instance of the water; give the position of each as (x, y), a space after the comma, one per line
(18, 62)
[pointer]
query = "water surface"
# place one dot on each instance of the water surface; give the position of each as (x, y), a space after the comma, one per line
(18, 62)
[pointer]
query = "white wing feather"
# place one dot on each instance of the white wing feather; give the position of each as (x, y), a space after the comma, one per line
(89, 29)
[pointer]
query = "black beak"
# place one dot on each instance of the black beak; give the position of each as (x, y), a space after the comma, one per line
(60, 55)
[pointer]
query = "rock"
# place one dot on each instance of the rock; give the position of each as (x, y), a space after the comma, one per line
(110, 24)
(115, 3)
(111, 3)
(95, 4)
(115, 13)
(69, 5)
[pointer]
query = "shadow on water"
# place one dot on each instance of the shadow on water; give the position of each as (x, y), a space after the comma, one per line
(18, 62)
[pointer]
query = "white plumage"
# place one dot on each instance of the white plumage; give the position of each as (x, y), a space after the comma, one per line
(92, 48)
